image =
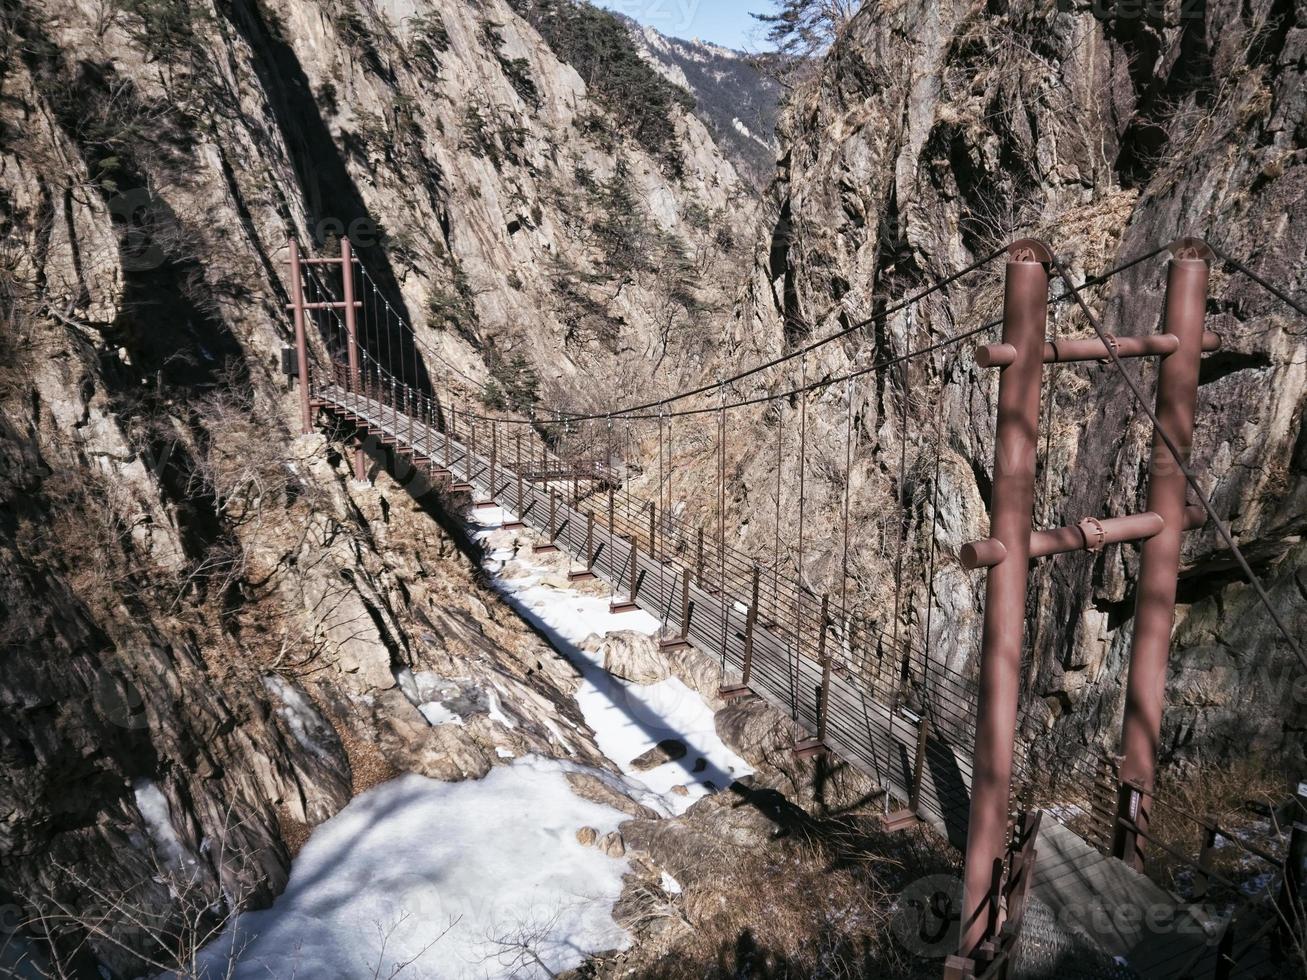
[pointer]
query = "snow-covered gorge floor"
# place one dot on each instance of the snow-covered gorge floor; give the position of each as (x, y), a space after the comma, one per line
(424, 879)
(628, 719)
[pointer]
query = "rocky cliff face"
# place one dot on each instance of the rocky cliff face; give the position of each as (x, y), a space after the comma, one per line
(934, 132)
(206, 627)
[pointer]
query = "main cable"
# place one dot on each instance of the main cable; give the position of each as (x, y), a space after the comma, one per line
(561, 415)
(1241, 267)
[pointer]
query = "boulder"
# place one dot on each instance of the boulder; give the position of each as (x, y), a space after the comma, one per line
(631, 656)
(613, 845)
(668, 750)
(591, 787)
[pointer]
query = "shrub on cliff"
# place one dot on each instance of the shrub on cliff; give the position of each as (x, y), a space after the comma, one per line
(597, 45)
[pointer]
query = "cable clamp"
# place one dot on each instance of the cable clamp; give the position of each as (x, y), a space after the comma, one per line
(1091, 529)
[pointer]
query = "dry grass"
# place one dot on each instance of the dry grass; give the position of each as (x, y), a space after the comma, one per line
(367, 766)
(816, 903)
(1236, 797)
(294, 833)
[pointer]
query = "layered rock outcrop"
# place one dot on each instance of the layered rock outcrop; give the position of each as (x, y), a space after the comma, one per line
(934, 133)
(209, 633)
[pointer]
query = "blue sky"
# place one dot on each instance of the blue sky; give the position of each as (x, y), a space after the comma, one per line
(725, 22)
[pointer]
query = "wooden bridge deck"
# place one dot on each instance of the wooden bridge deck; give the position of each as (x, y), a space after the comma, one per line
(1128, 915)
(1075, 881)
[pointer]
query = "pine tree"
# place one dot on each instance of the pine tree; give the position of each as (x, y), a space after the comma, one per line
(803, 29)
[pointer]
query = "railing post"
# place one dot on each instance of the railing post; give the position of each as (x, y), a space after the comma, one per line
(1025, 313)
(698, 562)
(685, 603)
(352, 333)
(301, 337)
(919, 767)
(589, 541)
(1159, 562)
(494, 460)
(1206, 851)
(449, 424)
(612, 525)
(635, 567)
(653, 529)
(1125, 841)
(825, 660)
(750, 622)
(1293, 893)
(629, 603)
(1224, 968)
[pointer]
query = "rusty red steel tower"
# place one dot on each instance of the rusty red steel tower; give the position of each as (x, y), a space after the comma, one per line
(349, 306)
(1006, 554)
(1177, 401)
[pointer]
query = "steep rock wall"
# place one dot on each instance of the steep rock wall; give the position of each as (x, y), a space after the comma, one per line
(935, 132)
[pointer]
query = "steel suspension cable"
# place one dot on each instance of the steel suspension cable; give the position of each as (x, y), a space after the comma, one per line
(905, 303)
(776, 546)
(1269, 287)
(903, 507)
(884, 314)
(803, 500)
(561, 415)
(721, 521)
(848, 480)
(934, 536)
(803, 351)
(1178, 458)
(418, 342)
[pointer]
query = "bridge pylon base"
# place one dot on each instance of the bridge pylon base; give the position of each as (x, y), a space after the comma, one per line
(810, 748)
(735, 692)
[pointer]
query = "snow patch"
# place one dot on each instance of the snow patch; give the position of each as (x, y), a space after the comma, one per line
(437, 714)
(497, 709)
(627, 719)
(495, 862)
(157, 815)
(308, 728)
(747, 133)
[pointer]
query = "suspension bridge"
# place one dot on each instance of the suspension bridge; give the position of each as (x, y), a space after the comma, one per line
(946, 748)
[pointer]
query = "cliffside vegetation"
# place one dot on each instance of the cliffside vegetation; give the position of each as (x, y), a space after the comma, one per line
(597, 45)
